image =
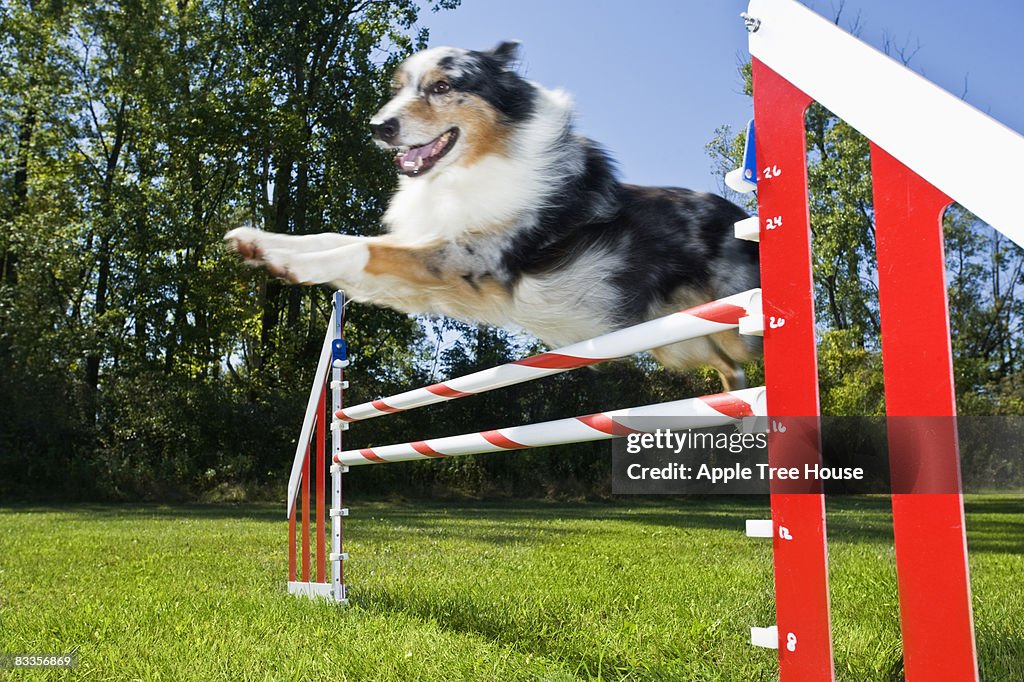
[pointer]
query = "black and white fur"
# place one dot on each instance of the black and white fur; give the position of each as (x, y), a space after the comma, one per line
(505, 215)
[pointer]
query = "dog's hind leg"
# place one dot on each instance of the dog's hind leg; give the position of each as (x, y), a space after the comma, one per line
(724, 352)
(733, 377)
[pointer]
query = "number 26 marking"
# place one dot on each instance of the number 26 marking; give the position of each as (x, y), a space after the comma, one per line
(771, 172)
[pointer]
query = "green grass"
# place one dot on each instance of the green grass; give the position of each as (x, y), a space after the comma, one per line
(637, 590)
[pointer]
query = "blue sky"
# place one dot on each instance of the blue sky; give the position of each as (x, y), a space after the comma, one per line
(652, 79)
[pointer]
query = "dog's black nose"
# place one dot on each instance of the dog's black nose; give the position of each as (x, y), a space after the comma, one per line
(386, 131)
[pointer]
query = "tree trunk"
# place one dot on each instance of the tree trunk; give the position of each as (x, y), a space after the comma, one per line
(95, 358)
(25, 131)
(271, 302)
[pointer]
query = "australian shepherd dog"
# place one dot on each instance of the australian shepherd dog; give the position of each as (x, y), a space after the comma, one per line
(505, 215)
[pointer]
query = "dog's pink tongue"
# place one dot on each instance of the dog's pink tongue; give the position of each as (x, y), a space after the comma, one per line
(410, 158)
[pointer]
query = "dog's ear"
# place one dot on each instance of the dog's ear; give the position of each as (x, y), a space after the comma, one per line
(506, 53)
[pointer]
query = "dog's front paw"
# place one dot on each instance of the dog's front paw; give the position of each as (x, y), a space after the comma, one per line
(287, 266)
(247, 243)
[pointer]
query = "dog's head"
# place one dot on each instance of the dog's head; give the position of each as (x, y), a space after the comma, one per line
(452, 106)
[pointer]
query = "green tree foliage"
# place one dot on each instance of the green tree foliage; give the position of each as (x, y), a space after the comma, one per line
(136, 356)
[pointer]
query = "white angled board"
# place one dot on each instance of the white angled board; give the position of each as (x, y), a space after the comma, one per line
(962, 151)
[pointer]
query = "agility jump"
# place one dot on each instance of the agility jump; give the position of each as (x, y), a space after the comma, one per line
(742, 311)
(928, 148)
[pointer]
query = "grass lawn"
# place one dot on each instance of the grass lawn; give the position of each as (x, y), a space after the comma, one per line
(636, 590)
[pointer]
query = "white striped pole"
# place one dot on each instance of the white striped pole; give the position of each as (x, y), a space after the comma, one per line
(691, 323)
(710, 410)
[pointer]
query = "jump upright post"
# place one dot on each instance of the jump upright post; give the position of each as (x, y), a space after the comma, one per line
(927, 147)
(328, 380)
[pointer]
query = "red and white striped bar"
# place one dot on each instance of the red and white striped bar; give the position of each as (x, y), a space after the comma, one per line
(710, 410)
(702, 320)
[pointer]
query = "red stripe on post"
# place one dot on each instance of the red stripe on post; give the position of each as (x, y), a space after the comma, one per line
(713, 311)
(728, 405)
(446, 391)
(369, 454)
(557, 361)
(291, 543)
(424, 449)
(305, 518)
(605, 424)
(340, 414)
(496, 438)
(321, 464)
(384, 407)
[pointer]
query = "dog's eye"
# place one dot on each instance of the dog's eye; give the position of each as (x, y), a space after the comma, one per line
(440, 88)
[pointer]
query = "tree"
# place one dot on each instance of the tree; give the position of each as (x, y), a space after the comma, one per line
(132, 136)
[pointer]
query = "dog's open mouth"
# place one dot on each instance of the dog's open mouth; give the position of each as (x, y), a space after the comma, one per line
(418, 160)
